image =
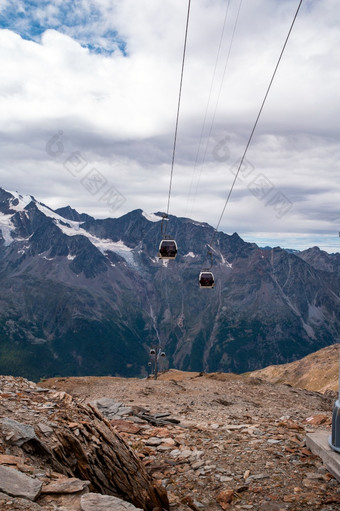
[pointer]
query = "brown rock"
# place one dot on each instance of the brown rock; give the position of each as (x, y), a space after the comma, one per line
(10, 460)
(306, 452)
(125, 426)
(290, 498)
(290, 425)
(224, 498)
(67, 485)
(188, 500)
(317, 420)
(73, 425)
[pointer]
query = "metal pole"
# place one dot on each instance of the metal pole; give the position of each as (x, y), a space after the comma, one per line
(155, 353)
(334, 439)
(156, 364)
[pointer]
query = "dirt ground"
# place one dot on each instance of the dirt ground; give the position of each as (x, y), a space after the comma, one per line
(239, 443)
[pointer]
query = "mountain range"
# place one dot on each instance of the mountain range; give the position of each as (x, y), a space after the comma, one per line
(85, 296)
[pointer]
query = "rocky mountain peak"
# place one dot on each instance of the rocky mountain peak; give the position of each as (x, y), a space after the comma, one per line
(90, 296)
(71, 214)
(321, 260)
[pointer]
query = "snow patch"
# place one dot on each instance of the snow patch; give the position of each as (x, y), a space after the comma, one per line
(23, 249)
(200, 224)
(151, 217)
(71, 257)
(190, 254)
(224, 261)
(6, 227)
(119, 248)
(113, 246)
(73, 228)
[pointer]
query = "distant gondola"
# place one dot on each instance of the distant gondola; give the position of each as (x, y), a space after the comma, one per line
(206, 279)
(167, 249)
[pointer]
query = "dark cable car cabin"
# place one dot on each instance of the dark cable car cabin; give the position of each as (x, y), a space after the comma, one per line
(167, 249)
(206, 279)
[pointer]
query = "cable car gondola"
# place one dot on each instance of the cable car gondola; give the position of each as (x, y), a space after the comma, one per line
(206, 279)
(167, 249)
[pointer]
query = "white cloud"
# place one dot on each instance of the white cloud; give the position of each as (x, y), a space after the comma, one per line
(118, 111)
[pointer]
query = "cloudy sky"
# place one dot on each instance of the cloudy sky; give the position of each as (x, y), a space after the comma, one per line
(88, 99)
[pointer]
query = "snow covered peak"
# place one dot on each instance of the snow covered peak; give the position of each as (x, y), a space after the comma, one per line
(10, 204)
(19, 202)
(151, 217)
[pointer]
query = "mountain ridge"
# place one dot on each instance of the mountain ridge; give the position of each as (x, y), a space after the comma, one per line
(86, 296)
(318, 371)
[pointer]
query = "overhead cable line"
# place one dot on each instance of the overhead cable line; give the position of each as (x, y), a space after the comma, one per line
(219, 93)
(209, 96)
(256, 122)
(178, 107)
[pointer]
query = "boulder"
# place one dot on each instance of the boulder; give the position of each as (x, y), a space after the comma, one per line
(17, 484)
(96, 502)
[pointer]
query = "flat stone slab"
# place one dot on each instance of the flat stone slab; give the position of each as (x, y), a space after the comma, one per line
(70, 485)
(97, 502)
(317, 442)
(17, 433)
(112, 409)
(17, 484)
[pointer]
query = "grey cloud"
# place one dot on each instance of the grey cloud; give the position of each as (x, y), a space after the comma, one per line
(118, 113)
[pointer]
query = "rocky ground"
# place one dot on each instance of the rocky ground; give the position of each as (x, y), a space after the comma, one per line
(59, 455)
(240, 443)
(217, 441)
